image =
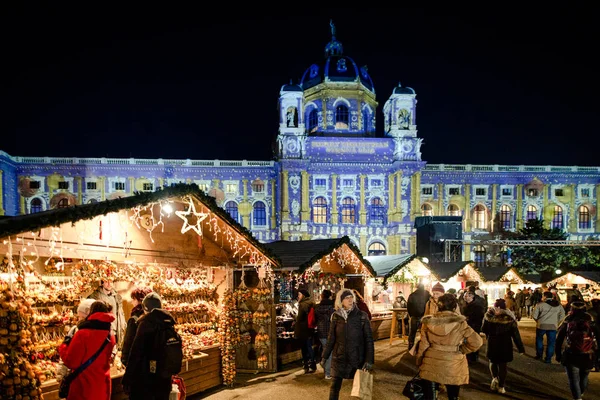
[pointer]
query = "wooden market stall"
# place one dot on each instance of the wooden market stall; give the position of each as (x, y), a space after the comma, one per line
(499, 280)
(586, 282)
(175, 240)
(314, 265)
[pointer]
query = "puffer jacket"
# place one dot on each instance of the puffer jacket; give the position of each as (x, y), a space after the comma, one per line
(548, 315)
(501, 330)
(323, 312)
(350, 342)
(445, 339)
(301, 329)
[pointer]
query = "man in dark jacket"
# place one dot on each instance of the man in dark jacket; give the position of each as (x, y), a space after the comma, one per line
(323, 312)
(474, 310)
(139, 380)
(416, 303)
(303, 333)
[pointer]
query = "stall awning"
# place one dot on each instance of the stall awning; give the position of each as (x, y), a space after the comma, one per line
(386, 266)
(446, 270)
(303, 254)
(589, 275)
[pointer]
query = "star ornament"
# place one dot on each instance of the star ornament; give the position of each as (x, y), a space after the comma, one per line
(184, 215)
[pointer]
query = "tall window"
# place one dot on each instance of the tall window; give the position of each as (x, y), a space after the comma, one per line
(341, 117)
(479, 252)
(63, 203)
(259, 214)
(376, 249)
(348, 211)
(479, 217)
(557, 217)
(232, 209)
(584, 218)
(313, 120)
(505, 217)
(531, 212)
(453, 210)
(320, 210)
(427, 210)
(35, 206)
(377, 211)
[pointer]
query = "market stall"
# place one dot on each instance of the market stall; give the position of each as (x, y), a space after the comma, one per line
(499, 280)
(313, 265)
(175, 240)
(587, 282)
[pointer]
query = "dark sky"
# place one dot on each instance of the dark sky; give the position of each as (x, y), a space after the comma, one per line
(493, 86)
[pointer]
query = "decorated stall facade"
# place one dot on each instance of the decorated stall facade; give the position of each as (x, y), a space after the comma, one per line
(499, 280)
(587, 282)
(175, 240)
(313, 265)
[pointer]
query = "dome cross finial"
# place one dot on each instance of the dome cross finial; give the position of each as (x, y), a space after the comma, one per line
(332, 28)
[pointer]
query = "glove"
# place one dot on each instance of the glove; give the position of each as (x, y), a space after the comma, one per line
(367, 367)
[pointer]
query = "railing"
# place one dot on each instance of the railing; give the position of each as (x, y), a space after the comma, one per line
(508, 168)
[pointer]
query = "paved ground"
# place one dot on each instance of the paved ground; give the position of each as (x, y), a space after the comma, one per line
(528, 378)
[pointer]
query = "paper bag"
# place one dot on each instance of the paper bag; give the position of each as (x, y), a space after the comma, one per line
(362, 386)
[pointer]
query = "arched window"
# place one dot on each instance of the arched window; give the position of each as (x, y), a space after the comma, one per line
(63, 203)
(348, 211)
(557, 218)
(341, 117)
(35, 206)
(479, 252)
(366, 121)
(320, 210)
(427, 210)
(584, 218)
(479, 217)
(453, 210)
(377, 249)
(259, 214)
(505, 217)
(377, 211)
(313, 120)
(531, 212)
(232, 209)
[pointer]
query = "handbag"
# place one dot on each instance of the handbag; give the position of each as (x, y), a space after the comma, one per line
(417, 388)
(362, 386)
(65, 384)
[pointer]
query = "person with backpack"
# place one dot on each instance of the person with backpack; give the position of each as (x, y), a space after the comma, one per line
(579, 352)
(323, 312)
(156, 353)
(303, 333)
(137, 296)
(548, 315)
(349, 343)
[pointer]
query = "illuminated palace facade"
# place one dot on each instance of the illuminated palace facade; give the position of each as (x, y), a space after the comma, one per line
(332, 175)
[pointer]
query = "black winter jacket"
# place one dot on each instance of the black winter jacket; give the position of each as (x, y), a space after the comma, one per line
(350, 342)
(417, 301)
(301, 329)
(474, 311)
(132, 325)
(323, 312)
(501, 330)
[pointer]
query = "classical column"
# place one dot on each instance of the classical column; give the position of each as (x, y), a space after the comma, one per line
(545, 205)
(467, 213)
(398, 206)
(79, 190)
(273, 206)
(1, 193)
(391, 192)
(363, 209)
(572, 218)
(335, 216)
(22, 204)
(440, 191)
(519, 207)
(131, 185)
(363, 244)
(494, 205)
(245, 207)
(305, 207)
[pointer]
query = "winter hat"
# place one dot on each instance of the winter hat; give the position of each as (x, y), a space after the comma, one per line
(84, 306)
(346, 293)
(438, 288)
(500, 303)
(304, 292)
(151, 301)
(452, 291)
(578, 306)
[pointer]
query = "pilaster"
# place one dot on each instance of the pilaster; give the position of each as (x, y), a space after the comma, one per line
(415, 207)
(363, 244)
(245, 208)
(273, 205)
(598, 208)
(1, 193)
(494, 205)
(398, 206)
(335, 216)
(391, 193)
(102, 181)
(79, 190)
(467, 213)
(519, 207)
(22, 204)
(131, 185)
(413, 244)
(305, 207)
(285, 208)
(440, 190)
(363, 209)
(545, 205)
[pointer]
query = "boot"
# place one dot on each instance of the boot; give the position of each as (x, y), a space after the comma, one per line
(313, 366)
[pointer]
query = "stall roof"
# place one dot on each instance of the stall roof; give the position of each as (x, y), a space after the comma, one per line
(55, 217)
(302, 254)
(493, 274)
(590, 275)
(386, 266)
(446, 270)
(533, 278)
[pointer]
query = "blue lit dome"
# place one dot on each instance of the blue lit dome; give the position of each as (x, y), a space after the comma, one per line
(291, 88)
(403, 90)
(337, 68)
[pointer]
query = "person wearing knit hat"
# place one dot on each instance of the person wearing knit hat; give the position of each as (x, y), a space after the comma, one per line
(304, 334)
(432, 305)
(140, 381)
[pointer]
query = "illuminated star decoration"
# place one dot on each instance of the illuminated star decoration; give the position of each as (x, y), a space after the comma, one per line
(184, 216)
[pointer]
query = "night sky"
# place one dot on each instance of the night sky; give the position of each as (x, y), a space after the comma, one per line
(493, 86)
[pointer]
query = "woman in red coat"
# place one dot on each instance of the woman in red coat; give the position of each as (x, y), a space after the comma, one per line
(94, 383)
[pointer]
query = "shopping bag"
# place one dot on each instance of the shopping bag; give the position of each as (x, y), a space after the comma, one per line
(418, 389)
(362, 386)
